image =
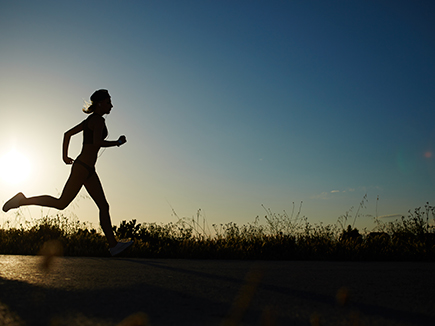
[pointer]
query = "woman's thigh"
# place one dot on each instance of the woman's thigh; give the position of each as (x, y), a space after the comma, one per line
(74, 183)
(95, 189)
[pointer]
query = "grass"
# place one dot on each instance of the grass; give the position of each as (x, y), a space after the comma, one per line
(277, 237)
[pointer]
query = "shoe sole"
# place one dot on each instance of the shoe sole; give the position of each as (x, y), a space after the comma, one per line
(123, 250)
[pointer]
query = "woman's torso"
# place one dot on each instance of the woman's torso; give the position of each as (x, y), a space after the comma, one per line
(89, 153)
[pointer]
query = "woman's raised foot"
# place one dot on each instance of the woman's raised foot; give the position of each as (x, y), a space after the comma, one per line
(14, 202)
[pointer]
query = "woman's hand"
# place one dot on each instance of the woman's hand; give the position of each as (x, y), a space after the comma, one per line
(68, 160)
(122, 140)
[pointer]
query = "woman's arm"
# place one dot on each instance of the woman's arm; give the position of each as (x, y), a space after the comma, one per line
(98, 136)
(66, 138)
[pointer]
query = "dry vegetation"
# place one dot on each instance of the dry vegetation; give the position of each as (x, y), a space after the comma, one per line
(278, 237)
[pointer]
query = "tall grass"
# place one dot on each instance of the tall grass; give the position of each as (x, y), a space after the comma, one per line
(277, 236)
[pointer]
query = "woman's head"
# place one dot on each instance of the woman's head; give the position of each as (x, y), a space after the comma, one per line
(96, 98)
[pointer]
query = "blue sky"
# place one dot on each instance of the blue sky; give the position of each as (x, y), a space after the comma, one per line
(226, 105)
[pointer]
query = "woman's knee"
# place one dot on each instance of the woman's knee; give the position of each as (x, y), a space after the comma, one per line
(104, 206)
(62, 203)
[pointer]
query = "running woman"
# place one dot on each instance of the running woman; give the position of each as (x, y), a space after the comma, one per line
(83, 168)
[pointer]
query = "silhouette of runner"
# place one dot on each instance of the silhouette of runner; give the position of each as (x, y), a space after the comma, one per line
(83, 168)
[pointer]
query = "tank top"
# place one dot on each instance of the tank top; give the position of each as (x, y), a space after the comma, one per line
(88, 134)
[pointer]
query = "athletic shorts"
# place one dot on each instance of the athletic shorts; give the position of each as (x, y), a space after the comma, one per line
(91, 169)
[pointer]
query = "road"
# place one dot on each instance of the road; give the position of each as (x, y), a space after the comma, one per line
(108, 291)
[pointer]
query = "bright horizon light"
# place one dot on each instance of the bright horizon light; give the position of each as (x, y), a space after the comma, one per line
(14, 167)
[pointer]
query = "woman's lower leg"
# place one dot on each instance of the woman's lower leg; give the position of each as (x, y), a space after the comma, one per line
(70, 190)
(45, 200)
(106, 225)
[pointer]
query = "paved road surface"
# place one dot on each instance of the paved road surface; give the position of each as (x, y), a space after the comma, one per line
(105, 291)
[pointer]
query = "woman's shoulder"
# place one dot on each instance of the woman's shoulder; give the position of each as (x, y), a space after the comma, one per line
(95, 116)
(93, 120)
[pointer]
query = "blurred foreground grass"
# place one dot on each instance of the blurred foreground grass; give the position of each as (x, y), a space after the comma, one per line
(279, 237)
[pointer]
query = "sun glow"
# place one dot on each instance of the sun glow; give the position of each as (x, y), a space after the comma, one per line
(14, 167)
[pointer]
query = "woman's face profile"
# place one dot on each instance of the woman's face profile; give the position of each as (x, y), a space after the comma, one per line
(106, 105)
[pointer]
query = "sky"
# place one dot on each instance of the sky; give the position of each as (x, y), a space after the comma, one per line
(229, 107)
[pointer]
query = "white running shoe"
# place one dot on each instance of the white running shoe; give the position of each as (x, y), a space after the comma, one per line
(120, 247)
(14, 202)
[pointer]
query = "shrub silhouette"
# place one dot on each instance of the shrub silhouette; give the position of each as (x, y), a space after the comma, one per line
(281, 237)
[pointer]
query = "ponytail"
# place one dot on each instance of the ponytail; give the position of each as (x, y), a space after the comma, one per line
(88, 108)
